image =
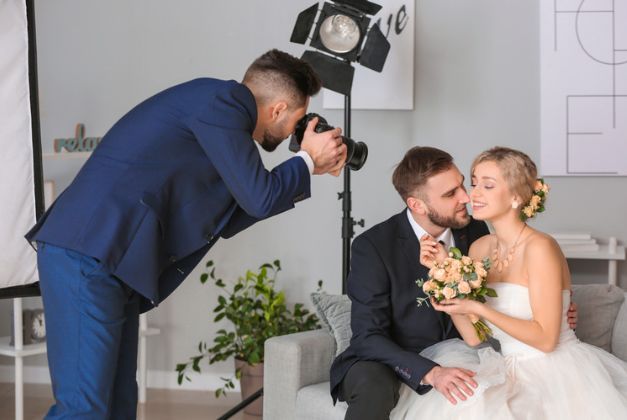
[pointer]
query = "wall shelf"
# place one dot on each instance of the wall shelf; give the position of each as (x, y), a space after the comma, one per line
(612, 253)
(7, 349)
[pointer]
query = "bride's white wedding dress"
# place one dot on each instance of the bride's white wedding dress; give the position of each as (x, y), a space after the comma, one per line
(575, 381)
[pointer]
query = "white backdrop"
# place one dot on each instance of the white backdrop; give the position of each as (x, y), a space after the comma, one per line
(17, 196)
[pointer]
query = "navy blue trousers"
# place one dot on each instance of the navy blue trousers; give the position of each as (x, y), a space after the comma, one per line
(92, 321)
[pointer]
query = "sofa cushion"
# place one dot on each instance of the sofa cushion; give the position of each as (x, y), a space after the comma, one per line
(597, 306)
(619, 336)
(314, 402)
(334, 312)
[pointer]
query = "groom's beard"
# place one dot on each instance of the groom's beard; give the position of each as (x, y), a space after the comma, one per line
(272, 137)
(457, 221)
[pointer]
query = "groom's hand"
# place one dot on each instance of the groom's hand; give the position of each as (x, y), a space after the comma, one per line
(571, 315)
(431, 251)
(451, 382)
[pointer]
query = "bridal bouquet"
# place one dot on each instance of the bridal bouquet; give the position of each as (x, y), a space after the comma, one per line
(459, 277)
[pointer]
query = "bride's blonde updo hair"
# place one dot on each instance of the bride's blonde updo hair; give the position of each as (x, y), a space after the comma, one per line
(518, 169)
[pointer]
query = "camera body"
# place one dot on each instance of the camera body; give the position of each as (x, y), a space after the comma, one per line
(356, 152)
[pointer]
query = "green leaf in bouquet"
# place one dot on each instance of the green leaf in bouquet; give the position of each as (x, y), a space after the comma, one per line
(456, 252)
(491, 292)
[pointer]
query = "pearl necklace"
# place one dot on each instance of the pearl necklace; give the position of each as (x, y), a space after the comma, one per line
(499, 263)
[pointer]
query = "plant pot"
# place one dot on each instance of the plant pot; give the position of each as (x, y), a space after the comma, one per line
(250, 382)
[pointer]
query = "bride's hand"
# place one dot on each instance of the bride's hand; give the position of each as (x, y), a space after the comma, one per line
(431, 251)
(457, 306)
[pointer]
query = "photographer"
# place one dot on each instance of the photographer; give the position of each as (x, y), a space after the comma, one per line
(173, 175)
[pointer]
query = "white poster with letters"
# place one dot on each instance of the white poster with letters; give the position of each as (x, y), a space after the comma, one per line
(584, 87)
(17, 195)
(393, 88)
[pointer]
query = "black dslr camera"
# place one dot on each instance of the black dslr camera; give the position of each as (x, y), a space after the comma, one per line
(356, 151)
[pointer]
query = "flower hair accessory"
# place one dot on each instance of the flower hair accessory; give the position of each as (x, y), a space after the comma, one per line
(536, 204)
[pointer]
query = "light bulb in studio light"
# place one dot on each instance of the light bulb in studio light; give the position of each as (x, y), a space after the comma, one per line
(339, 33)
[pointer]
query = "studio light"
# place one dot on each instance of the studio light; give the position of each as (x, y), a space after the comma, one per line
(341, 35)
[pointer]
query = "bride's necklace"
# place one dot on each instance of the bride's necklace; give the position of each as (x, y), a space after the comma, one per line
(508, 254)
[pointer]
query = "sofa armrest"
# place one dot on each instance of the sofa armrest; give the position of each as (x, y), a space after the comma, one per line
(291, 362)
(619, 334)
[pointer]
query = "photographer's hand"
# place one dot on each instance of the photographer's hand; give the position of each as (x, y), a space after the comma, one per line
(326, 149)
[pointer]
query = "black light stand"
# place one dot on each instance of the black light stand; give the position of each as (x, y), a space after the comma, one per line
(346, 196)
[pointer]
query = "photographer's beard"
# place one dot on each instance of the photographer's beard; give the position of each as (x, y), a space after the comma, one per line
(273, 137)
(458, 220)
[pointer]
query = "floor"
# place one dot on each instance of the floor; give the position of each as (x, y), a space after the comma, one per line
(162, 404)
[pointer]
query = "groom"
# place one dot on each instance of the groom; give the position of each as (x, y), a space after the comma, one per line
(389, 329)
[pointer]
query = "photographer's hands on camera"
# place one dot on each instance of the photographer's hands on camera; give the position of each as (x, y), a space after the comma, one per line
(326, 149)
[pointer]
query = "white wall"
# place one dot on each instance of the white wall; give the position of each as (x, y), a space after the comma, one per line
(476, 85)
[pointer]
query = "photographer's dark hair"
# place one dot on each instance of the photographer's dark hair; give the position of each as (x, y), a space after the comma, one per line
(277, 71)
(418, 165)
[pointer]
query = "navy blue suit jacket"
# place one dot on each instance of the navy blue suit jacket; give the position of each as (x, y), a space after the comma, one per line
(173, 175)
(387, 325)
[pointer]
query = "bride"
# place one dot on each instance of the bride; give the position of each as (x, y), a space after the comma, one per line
(542, 371)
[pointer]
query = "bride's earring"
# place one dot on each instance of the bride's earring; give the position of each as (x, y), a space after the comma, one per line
(515, 205)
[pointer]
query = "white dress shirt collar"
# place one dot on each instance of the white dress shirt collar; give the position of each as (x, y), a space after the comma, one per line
(446, 236)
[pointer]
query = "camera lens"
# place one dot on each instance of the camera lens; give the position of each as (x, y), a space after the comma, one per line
(356, 153)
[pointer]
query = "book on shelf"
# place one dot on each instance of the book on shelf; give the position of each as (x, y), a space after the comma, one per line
(571, 236)
(579, 247)
(576, 241)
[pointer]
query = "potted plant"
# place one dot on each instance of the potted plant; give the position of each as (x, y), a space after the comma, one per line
(257, 312)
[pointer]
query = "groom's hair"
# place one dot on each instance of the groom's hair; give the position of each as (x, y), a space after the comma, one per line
(419, 164)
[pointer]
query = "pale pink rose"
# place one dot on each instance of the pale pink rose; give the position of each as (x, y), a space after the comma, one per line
(452, 277)
(481, 272)
(545, 188)
(528, 211)
(463, 287)
(476, 284)
(466, 260)
(535, 201)
(449, 292)
(456, 264)
(428, 286)
(439, 274)
(539, 185)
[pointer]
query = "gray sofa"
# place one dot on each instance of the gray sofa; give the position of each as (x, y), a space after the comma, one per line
(296, 372)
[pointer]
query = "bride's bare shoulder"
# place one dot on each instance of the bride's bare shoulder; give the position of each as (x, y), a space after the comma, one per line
(542, 244)
(481, 247)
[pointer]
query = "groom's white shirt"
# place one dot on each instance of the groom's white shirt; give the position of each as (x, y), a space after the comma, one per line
(446, 236)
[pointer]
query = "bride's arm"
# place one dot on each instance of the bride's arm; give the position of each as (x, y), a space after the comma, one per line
(466, 329)
(544, 263)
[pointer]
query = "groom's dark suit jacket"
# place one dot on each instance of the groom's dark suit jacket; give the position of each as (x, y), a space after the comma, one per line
(387, 324)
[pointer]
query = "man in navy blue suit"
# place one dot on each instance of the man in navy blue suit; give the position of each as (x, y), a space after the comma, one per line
(389, 329)
(173, 175)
